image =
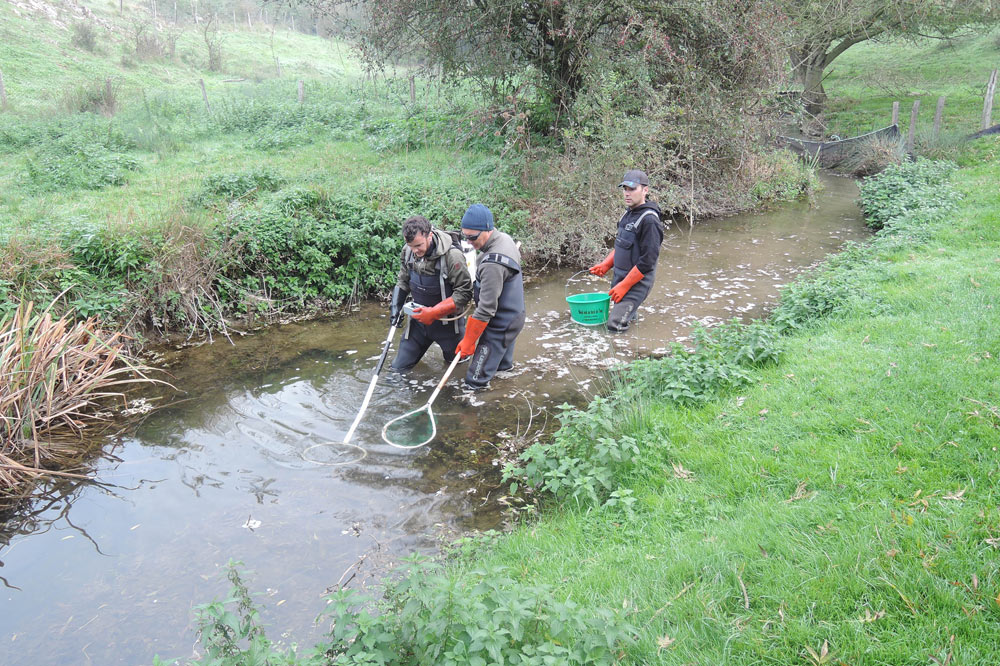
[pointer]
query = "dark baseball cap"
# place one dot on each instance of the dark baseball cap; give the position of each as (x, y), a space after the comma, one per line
(634, 178)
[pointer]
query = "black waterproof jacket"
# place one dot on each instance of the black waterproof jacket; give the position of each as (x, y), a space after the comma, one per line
(638, 239)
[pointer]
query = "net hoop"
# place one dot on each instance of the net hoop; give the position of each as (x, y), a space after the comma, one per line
(364, 454)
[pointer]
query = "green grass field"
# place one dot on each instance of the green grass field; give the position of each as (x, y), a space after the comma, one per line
(865, 81)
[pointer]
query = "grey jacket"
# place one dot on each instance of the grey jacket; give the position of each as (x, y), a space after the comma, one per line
(492, 275)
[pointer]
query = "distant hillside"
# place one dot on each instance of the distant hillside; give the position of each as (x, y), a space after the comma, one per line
(48, 50)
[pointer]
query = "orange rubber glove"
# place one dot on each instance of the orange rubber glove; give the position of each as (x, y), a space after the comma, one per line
(473, 329)
(600, 269)
(428, 316)
(619, 290)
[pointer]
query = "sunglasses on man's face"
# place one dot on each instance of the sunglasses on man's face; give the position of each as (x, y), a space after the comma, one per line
(472, 237)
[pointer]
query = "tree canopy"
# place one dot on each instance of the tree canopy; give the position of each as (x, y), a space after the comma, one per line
(819, 32)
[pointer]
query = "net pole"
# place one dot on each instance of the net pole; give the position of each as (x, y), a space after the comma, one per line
(371, 386)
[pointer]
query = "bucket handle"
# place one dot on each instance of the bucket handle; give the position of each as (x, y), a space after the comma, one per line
(570, 279)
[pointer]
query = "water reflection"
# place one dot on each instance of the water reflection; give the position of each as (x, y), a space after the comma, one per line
(238, 467)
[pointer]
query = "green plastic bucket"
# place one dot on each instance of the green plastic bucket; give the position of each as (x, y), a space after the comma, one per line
(589, 309)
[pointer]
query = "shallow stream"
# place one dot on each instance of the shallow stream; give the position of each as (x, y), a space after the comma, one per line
(229, 467)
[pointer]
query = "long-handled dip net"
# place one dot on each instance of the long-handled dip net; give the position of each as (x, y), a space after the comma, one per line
(416, 428)
(345, 445)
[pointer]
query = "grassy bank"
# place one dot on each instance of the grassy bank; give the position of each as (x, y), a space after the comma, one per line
(843, 501)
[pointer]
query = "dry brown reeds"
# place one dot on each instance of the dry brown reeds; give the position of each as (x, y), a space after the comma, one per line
(873, 157)
(55, 375)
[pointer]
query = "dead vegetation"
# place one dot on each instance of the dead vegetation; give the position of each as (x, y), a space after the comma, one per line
(56, 376)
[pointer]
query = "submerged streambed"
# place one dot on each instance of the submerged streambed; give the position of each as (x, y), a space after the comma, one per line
(235, 466)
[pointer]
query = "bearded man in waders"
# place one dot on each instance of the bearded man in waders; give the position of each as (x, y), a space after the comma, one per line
(434, 271)
(499, 292)
(637, 248)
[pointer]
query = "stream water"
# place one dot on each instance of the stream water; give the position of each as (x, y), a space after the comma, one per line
(236, 464)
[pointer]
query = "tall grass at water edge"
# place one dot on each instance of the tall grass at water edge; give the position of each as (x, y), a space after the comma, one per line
(823, 496)
(56, 375)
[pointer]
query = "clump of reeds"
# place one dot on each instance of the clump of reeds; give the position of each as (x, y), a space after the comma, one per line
(55, 374)
(874, 156)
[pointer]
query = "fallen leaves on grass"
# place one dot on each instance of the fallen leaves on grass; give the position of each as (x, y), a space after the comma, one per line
(664, 642)
(872, 618)
(957, 495)
(681, 473)
(800, 493)
(823, 657)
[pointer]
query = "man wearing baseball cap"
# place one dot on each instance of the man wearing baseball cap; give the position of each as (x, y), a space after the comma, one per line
(636, 250)
(498, 291)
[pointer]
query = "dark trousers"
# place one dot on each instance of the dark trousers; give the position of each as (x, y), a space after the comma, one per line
(626, 310)
(494, 353)
(419, 339)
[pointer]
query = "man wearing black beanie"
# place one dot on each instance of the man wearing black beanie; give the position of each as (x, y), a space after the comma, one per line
(499, 295)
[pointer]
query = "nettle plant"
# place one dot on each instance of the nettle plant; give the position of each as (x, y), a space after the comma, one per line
(426, 617)
(589, 457)
(901, 188)
(584, 462)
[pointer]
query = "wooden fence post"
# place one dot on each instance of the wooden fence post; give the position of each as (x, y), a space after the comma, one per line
(991, 88)
(938, 112)
(895, 113)
(913, 126)
(204, 95)
(413, 90)
(302, 91)
(3, 93)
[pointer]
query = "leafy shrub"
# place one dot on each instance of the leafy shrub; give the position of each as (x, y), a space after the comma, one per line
(109, 252)
(722, 358)
(585, 461)
(253, 114)
(806, 300)
(98, 96)
(427, 617)
(279, 138)
(84, 36)
(230, 186)
(904, 187)
(486, 618)
(779, 176)
(300, 244)
(590, 456)
(84, 167)
(81, 151)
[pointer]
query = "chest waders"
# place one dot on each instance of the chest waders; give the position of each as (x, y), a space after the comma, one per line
(427, 290)
(495, 351)
(627, 254)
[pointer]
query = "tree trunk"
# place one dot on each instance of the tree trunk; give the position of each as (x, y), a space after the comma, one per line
(810, 66)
